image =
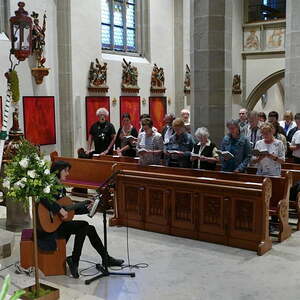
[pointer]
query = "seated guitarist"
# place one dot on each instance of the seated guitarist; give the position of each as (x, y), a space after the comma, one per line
(81, 229)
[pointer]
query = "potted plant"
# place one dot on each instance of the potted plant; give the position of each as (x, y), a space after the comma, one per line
(27, 178)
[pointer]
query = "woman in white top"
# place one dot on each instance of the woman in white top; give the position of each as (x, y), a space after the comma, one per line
(272, 153)
(288, 122)
(149, 144)
(295, 146)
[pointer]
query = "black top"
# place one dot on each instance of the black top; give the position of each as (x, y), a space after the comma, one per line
(207, 152)
(47, 241)
(120, 142)
(102, 134)
(291, 133)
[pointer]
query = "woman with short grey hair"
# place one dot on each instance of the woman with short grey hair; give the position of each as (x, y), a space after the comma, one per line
(204, 154)
(101, 134)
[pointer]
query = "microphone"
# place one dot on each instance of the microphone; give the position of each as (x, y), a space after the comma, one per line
(95, 205)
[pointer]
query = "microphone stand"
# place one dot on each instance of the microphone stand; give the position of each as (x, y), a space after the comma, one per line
(104, 269)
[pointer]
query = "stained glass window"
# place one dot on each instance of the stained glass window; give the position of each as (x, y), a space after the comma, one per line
(118, 21)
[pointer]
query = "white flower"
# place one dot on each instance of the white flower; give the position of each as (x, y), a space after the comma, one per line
(31, 173)
(42, 162)
(24, 179)
(6, 184)
(19, 184)
(24, 163)
(46, 190)
(47, 172)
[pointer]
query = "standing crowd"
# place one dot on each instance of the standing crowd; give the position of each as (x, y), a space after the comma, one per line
(253, 139)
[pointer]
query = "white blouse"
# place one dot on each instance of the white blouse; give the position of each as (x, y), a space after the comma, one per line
(267, 166)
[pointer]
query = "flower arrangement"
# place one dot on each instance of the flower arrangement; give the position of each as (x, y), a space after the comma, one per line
(28, 176)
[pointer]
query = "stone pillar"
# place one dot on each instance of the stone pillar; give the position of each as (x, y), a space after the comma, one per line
(4, 16)
(211, 44)
(178, 56)
(292, 58)
(66, 105)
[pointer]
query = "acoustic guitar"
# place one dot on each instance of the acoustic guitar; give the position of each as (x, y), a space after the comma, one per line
(50, 222)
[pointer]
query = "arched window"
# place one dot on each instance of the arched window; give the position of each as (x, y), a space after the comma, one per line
(119, 25)
(264, 10)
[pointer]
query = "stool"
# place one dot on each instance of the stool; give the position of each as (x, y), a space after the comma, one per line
(50, 262)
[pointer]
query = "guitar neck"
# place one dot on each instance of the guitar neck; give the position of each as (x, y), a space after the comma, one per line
(76, 206)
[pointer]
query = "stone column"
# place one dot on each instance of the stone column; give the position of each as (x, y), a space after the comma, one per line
(4, 16)
(211, 44)
(178, 56)
(66, 106)
(292, 58)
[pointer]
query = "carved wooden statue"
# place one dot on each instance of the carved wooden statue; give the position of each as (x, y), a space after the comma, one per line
(38, 39)
(157, 79)
(129, 77)
(236, 84)
(98, 76)
(187, 80)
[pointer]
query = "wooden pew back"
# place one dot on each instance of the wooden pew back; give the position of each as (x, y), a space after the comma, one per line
(116, 158)
(228, 212)
(87, 173)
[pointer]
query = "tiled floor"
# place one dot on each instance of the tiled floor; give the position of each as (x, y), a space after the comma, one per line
(181, 269)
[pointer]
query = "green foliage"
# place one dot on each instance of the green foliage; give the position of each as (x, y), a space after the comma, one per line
(5, 288)
(14, 85)
(40, 293)
(28, 175)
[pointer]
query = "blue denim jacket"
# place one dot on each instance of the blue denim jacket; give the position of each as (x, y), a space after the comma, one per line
(241, 149)
(183, 142)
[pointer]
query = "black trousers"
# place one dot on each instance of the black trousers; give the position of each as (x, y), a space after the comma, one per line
(81, 229)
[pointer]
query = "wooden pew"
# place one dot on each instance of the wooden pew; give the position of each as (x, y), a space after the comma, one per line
(91, 173)
(279, 203)
(227, 212)
(86, 173)
(117, 158)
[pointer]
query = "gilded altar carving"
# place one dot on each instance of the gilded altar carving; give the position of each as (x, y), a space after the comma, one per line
(98, 77)
(236, 84)
(187, 80)
(157, 80)
(38, 46)
(129, 78)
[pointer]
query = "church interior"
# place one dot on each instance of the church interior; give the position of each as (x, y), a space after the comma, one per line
(149, 149)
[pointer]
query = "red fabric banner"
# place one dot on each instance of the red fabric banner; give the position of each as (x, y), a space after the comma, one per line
(93, 103)
(39, 120)
(157, 111)
(132, 106)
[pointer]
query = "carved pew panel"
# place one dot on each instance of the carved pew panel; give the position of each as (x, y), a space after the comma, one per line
(208, 210)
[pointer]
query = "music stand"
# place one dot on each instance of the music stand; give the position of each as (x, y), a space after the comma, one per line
(104, 270)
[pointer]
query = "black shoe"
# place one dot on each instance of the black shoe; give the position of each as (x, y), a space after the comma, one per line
(114, 262)
(73, 267)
